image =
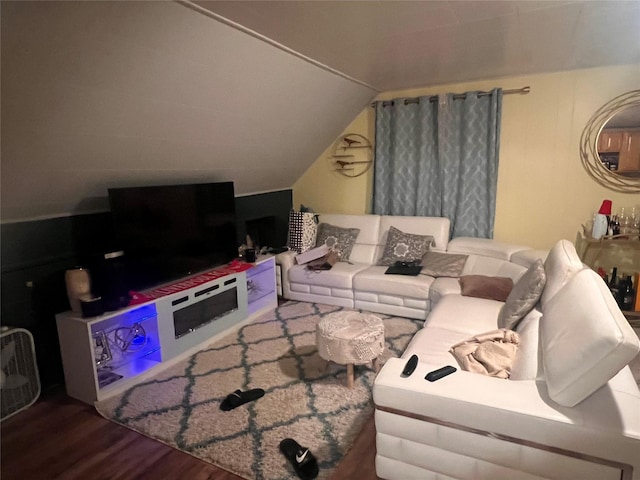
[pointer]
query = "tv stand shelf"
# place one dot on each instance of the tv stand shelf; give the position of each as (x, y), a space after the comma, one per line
(106, 354)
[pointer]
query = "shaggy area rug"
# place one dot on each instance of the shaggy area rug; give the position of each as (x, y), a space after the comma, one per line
(305, 398)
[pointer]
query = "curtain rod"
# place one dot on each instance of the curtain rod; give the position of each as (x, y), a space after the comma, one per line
(457, 96)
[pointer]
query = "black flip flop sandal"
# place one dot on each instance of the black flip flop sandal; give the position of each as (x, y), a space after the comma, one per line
(238, 398)
(301, 459)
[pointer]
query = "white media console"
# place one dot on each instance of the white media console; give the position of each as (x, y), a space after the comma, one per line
(106, 354)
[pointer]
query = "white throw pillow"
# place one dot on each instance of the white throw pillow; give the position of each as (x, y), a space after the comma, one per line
(585, 339)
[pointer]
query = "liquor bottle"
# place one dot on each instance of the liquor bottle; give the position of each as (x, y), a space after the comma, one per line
(628, 295)
(615, 225)
(614, 285)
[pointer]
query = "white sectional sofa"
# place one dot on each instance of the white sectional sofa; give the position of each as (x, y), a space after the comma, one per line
(571, 407)
(361, 284)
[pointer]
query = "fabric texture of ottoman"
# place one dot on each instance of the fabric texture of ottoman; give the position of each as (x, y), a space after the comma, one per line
(350, 338)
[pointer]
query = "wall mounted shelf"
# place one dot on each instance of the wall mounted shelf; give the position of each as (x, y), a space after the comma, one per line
(351, 146)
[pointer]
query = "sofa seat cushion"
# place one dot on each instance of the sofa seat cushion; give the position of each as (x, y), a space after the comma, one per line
(340, 276)
(431, 345)
(584, 343)
(373, 279)
(452, 312)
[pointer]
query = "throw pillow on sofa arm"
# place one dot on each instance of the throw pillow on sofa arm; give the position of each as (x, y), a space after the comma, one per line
(524, 296)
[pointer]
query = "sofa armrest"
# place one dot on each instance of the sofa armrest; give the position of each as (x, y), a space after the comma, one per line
(604, 429)
(286, 260)
(520, 409)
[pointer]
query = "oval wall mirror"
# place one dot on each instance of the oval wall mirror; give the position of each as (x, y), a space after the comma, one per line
(610, 144)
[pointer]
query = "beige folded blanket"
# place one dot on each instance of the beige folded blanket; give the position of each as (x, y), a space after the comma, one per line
(491, 353)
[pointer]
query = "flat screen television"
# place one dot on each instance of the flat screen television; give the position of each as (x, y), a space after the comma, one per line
(171, 231)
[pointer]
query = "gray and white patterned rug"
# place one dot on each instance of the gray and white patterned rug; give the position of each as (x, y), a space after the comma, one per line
(304, 399)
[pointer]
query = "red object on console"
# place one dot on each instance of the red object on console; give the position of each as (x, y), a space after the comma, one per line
(235, 266)
(605, 208)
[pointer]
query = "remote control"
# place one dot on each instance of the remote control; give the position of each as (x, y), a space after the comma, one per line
(439, 373)
(411, 365)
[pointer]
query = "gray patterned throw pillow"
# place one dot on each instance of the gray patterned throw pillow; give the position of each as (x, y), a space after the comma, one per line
(438, 264)
(340, 240)
(404, 247)
(524, 296)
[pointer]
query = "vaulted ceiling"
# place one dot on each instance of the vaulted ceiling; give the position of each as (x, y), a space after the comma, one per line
(394, 45)
(100, 94)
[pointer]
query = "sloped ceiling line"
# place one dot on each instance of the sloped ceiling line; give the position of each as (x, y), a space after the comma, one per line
(259, 36)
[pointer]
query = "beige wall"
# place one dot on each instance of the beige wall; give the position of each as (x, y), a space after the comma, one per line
(544, 193)
(325, 190)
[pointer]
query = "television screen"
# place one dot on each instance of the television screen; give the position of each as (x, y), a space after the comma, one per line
(172, 231)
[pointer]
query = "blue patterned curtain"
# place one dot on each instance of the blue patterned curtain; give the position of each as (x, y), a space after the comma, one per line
(439, 159)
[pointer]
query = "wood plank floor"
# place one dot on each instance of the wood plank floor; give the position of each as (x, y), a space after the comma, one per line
(61, 438)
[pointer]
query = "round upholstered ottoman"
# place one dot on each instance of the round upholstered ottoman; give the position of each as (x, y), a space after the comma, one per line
(350, 338)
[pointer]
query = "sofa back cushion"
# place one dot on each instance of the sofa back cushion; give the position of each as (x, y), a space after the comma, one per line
(484, 247)
(561, 264)
(527, 365)
(364, 249)
(526, 258)
(492, 267)
(585, 340)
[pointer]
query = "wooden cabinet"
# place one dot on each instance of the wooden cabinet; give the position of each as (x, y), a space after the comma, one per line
(630, 152)
(621, 147)
(610, 141)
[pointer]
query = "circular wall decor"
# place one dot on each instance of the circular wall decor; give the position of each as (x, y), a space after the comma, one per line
(351, 155)
(596, 162)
